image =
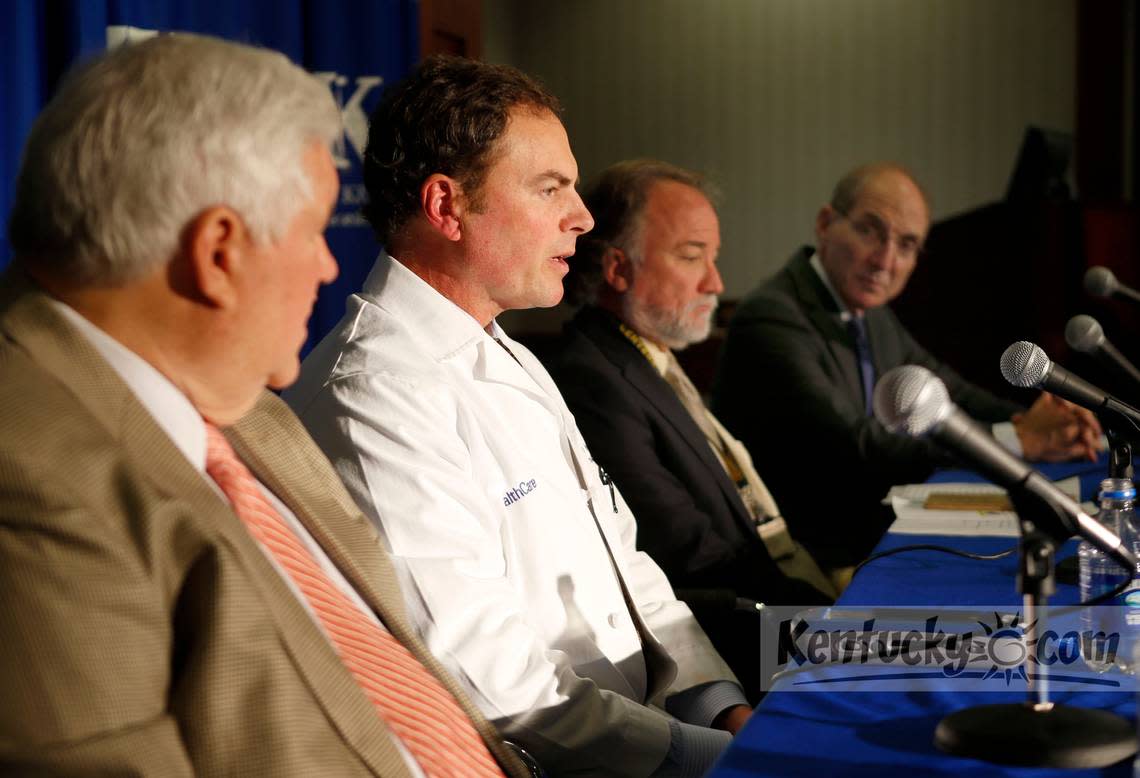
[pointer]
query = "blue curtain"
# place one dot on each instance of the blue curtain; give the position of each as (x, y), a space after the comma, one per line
(355, 46)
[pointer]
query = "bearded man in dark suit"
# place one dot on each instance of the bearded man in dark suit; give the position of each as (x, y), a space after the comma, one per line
(648, 270)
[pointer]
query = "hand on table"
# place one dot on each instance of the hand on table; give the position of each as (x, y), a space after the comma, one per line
(1056, 430)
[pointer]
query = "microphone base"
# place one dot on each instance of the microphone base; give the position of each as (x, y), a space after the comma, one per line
(1017, 734)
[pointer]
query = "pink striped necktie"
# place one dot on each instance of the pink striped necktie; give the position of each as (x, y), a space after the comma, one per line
(409, 699)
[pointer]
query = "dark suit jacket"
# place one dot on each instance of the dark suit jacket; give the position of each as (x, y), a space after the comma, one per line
(690, 517)
(144, 630)
(788, 386)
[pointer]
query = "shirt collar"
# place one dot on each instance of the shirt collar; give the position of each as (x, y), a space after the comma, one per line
(171, 409)
(658, 356)
(845, 313)
(443, 328)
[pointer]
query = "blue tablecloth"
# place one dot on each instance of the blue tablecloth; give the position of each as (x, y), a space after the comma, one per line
(864, 733)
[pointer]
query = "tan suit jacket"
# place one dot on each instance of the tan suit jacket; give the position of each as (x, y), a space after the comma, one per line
(144, 632)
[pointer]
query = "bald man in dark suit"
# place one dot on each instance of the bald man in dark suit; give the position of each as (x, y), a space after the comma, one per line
(805, 348)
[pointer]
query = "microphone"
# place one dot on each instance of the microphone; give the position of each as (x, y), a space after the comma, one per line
(1101, 282)
(1084, 334)
(1025, 364)
(913, 401)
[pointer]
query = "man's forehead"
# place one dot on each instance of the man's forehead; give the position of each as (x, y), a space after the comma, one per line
(895, 198)
(665, 194)
(681, 206)
(535, 137)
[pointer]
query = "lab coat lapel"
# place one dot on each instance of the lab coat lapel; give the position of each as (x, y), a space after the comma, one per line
(660, 668)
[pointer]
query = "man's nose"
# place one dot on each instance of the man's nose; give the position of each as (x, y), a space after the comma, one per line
(330, 269)
(886, 256)
(579, 219)
(712, 283)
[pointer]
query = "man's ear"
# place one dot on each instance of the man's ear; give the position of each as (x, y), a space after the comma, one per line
(823, 220)
(442, 202)
(617, 269)
(217, 245)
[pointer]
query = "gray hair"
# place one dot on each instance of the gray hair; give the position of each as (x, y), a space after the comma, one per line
(142, 139)
(616, 199)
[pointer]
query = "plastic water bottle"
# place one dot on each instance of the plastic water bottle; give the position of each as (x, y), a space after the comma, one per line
(1099, 573)
(1123, 503)
(1136, 663)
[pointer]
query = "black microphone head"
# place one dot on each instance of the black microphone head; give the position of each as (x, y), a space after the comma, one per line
(1025, 364)
(1084, 334)
(911, 400)
(1100, 282)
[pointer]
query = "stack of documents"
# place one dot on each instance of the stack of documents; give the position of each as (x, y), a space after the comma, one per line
(960, 509)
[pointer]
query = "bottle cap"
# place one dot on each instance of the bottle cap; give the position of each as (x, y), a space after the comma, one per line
(1117, 489)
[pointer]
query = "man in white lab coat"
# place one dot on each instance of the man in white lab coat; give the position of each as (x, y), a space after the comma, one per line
(515, 554)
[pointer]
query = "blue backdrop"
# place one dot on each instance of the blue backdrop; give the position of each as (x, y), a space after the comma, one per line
(354, 46)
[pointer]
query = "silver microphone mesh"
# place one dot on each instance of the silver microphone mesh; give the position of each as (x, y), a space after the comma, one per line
(911, 400)
(1084, 334)
(1100, 282)
(1025, 364)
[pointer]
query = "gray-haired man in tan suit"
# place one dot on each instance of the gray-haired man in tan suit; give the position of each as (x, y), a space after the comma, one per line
(168, 237)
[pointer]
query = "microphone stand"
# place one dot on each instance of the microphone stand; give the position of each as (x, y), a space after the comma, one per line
(1119, 454)
(1037, 732)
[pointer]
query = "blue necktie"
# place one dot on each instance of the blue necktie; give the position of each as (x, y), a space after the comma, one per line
(858, 330)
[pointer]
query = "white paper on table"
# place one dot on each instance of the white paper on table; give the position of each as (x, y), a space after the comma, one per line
(913, 519)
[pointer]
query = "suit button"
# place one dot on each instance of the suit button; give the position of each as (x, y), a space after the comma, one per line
(614, 619)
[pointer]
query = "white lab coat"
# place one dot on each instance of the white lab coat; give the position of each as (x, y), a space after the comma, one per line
(472, 467)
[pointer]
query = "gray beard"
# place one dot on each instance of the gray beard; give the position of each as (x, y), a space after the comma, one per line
(676, 329)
